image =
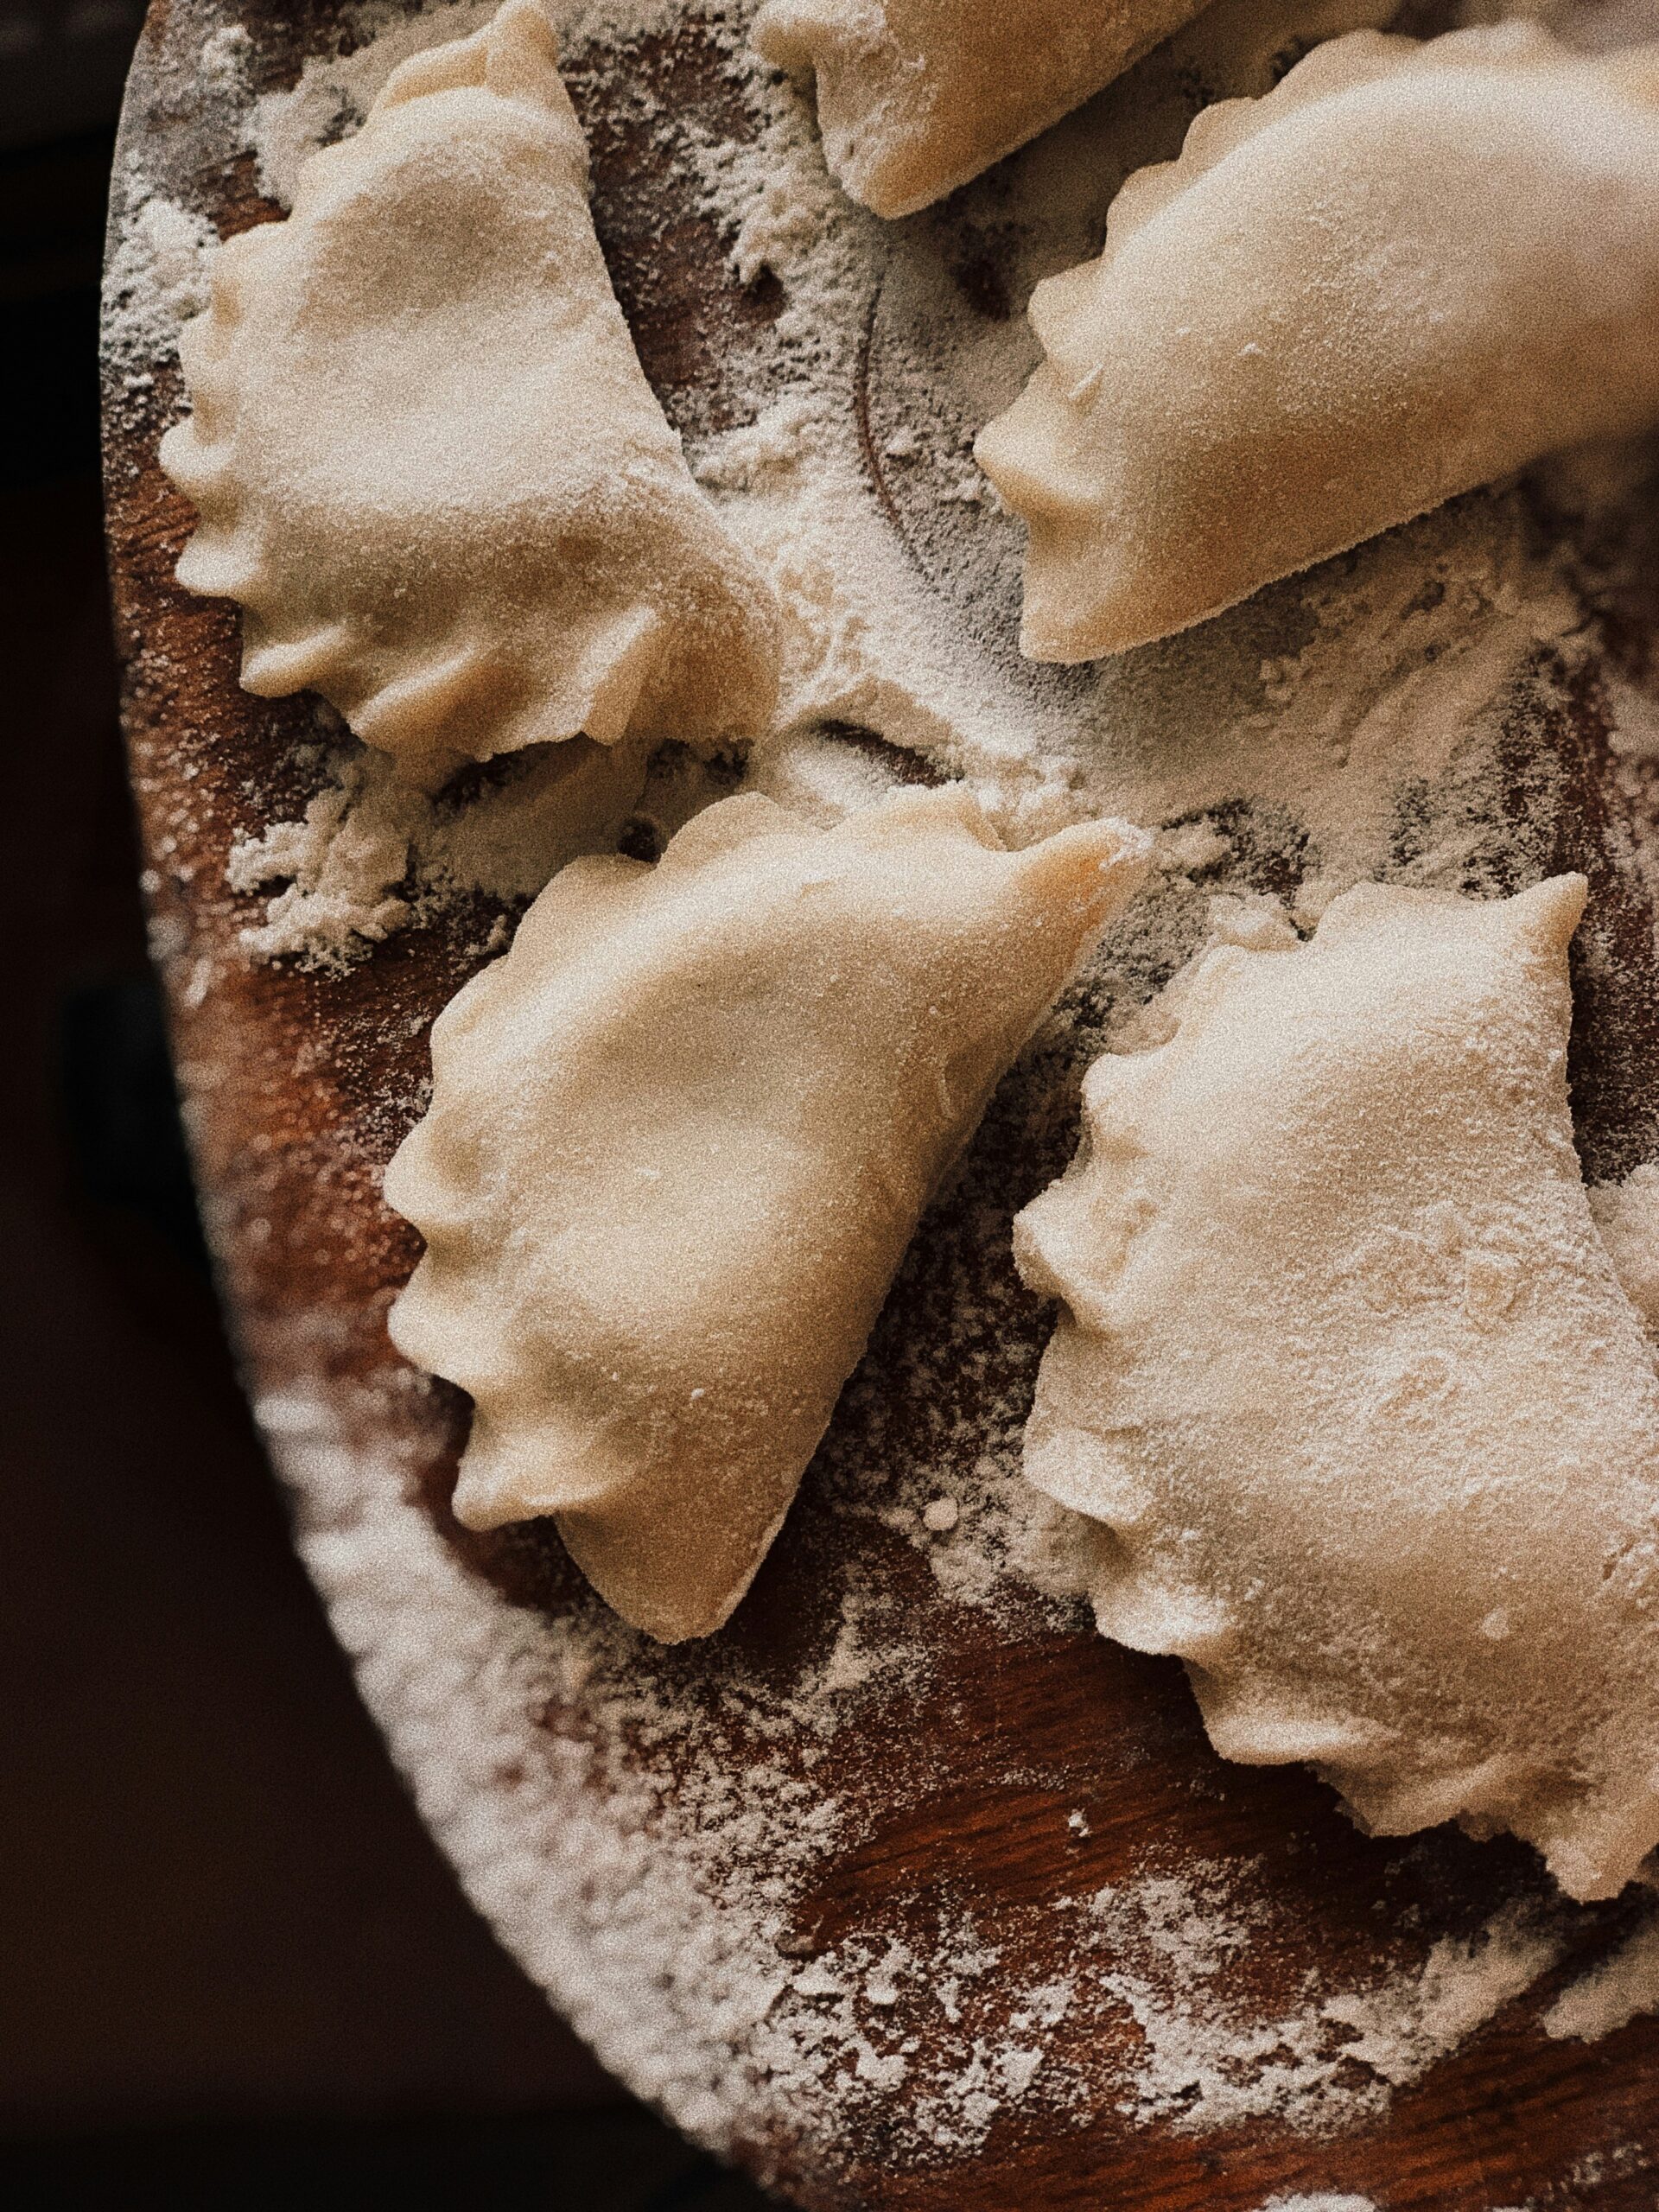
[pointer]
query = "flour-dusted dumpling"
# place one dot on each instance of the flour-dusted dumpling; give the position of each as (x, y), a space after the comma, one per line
(1348, 1383)
(917, 96)
(425, 457)
(1406, 271)
(678, 1141)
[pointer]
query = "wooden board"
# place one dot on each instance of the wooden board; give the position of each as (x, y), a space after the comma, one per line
(1023, 1765)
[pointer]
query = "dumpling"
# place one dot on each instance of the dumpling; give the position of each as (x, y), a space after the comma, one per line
(679, 1140)
(917, 96)
(424, 455)
(1406, 271)
(1346, 1381)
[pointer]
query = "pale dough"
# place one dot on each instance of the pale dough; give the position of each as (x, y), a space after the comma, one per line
(1347, 1383)
(917, 96)
(679, 1140)
(1627, 1214)
(425, 458)
(1406, 271)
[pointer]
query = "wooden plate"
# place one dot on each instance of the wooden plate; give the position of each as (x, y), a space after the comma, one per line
(907, 1891)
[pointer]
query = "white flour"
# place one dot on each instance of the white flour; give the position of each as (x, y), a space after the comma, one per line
(1323, 2203)
(1335, 726)
(820, 2036)
(1211, 2060)
(1624, 1984)
(156, 280)
(373, 854)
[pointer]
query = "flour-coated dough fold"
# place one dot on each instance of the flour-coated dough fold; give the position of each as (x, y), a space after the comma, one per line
(426, 460)
(917, 96)
(1406, 271)
(1366, 1426)
(678, 1141)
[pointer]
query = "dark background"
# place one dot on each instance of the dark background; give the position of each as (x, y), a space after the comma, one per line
(233, 1969)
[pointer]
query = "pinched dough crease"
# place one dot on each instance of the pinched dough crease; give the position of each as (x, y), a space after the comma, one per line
(679, 1140)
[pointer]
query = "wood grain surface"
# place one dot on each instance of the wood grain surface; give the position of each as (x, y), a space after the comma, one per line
(299, 1085)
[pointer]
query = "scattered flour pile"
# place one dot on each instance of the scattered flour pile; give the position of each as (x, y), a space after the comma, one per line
(1623, 1986)
(156, 280)
(1323, 2203)
(1213, 2062)
(373, 855)
(706, 1878)
(1347, 725)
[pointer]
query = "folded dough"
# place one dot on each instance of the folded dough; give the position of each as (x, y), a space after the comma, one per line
(679, 1140)
(917, 96)
(425, 457)
(1347, 1379)
(1406, 269)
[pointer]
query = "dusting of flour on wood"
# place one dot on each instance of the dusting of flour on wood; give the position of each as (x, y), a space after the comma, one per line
(659, 1836)
(1325, 2202)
